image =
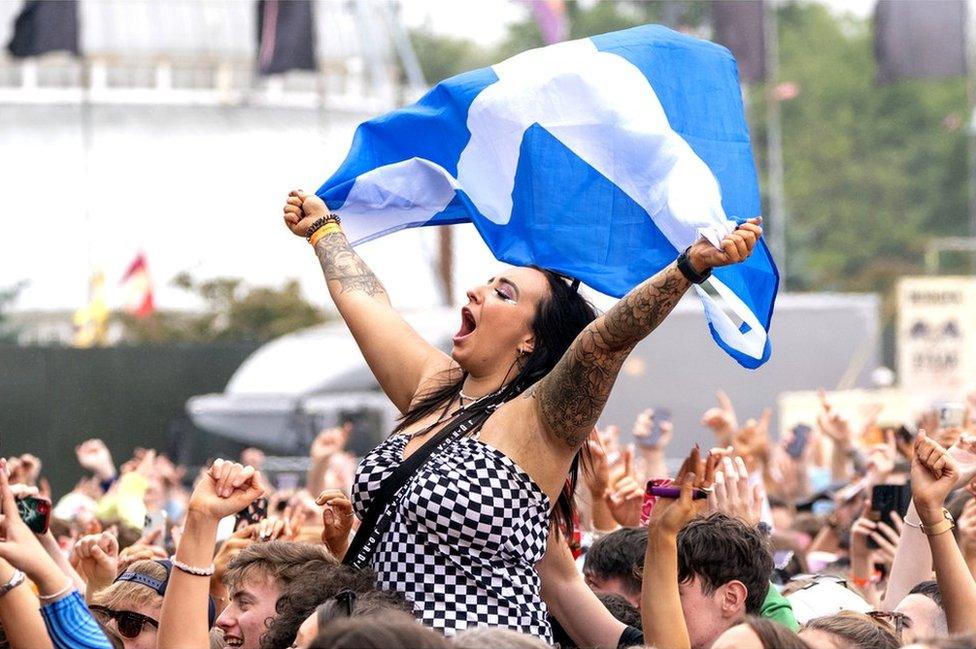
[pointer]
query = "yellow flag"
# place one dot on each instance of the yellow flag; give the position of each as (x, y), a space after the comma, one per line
(91, 320)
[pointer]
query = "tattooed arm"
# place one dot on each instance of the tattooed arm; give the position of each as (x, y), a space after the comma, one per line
(400, 359)
(569, 399)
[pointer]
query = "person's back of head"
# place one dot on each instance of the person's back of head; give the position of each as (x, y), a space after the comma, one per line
(622, 610)
(300, 597)
(759, 633)
(848, 630)
(387, 631)
(923, 607)
(614, 563)
(495, 638)
(718, 549)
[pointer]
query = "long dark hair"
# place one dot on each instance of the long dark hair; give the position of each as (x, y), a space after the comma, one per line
(562, 315)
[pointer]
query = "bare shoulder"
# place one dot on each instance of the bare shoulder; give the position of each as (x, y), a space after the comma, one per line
(516, 430)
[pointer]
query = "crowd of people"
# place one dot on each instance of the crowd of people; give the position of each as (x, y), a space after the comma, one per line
(783, 550)
(497, 514)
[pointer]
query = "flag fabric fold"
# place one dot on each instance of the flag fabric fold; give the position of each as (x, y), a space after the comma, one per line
(600, 158)
(138, 287)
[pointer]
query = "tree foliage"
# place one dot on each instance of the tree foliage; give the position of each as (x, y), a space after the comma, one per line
(872, 172)
(8, 333)
(232, 312)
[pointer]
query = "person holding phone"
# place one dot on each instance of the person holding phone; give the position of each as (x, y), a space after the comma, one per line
(66, 618)
(505, 413)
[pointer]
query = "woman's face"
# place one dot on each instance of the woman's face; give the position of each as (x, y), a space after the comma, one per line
(497, 320)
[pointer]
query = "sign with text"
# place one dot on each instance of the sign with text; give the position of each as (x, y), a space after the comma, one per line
(937, 336)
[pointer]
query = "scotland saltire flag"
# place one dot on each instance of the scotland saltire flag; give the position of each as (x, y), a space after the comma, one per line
(600, 158)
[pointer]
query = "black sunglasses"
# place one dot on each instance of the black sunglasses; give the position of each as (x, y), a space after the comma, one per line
(129, 623)
(340, 606)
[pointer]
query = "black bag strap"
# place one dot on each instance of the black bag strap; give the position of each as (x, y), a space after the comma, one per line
(379, 516)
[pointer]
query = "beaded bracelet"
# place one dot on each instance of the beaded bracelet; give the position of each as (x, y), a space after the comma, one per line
(325, 230)
(191, 570)
(319, 222)
(61, 593)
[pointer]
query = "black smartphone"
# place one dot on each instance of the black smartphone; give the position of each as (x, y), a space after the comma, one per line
(253, 513)
(35, 512)
(798, 444)
(885, 499)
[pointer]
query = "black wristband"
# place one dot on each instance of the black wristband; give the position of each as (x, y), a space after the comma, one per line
(320, 222)
(684, 265)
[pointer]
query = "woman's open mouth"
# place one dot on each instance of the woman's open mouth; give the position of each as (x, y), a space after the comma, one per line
(468, 325)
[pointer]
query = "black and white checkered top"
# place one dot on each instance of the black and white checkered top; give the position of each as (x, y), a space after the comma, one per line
(466, 536)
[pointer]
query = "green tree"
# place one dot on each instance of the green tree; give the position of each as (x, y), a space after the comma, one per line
(233, 312)
(871, 172)
(8, 333)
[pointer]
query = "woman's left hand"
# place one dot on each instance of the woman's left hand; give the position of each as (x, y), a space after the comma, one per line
(736, 247)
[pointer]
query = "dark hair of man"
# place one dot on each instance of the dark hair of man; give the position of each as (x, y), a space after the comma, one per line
(718, 549)
(562, 315)
(300, 597)
(621, 609)
(774, 635)
(856, 630)
(387, 631)
(930, 589)
(619, 554)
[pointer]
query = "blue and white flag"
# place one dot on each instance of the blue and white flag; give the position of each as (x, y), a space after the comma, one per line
(600, 158)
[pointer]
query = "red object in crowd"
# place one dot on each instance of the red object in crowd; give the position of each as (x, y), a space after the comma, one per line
(139, 288)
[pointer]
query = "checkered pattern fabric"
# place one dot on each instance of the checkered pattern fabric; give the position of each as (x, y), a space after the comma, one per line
(466, 535)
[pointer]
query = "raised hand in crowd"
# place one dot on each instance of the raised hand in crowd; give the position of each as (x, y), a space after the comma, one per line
(732, 493)
(722, 420)
(864, 559)
(650, 451)
(935, 473)
(596, 476)
(96, 558)
(22, 550)
(327, 448)
(751, 442)
(337, 520)
(625, 494)
(225, 489)
(148, 546)
(661, 611)
(94, 456)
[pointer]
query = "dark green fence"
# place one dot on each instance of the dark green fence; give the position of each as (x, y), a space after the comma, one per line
(52, 398)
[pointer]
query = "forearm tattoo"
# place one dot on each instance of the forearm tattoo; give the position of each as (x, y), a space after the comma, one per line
(341, 264)
(572, 396)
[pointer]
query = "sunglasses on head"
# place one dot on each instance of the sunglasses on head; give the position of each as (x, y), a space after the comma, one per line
(129, 623)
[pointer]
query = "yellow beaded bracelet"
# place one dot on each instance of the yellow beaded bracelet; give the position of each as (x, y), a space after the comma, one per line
(328, 228)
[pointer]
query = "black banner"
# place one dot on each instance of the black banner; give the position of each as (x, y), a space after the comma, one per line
(45, 27)
(919, 38)
(286, 36)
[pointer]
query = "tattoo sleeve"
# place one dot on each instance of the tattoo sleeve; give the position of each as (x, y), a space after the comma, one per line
(572, 396)
(344, 270)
